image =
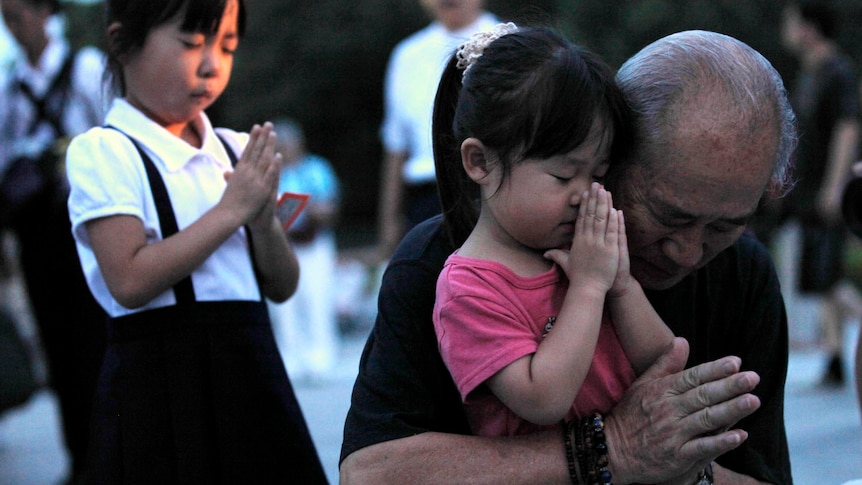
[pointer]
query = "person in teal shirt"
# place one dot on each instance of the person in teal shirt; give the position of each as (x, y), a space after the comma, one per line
(305, 326)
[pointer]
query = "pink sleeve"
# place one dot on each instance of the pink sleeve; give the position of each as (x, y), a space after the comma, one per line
(481, 327)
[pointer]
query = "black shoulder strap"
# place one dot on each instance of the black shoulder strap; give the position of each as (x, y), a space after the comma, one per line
(184, 291)
(60, 83)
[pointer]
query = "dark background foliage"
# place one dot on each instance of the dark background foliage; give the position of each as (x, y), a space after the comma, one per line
(322, 62)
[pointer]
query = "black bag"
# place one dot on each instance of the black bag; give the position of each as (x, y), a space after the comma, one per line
(28, 178)
(17, 381)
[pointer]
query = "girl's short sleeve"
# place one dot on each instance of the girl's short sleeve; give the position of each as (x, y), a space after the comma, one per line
(105, 177)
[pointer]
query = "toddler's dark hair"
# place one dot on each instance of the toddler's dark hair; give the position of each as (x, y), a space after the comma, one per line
(532, 94)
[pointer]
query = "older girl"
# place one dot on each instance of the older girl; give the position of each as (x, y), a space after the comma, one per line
(181, 249)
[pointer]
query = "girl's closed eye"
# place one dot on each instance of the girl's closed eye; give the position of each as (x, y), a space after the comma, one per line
(564, 172)
(229, 45)
(193, 41)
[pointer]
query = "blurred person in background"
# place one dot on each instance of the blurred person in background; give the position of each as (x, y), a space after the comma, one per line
(50, 94)
(305, 325)
(851, 208)
(826, 101)
(408, 192)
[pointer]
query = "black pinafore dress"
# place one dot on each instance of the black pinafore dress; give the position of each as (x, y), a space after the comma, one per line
(196, 393)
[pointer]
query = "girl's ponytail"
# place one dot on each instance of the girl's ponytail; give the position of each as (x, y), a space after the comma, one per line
(458, 194)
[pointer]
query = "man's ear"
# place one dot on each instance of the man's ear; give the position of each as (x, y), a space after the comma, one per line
(476, 160)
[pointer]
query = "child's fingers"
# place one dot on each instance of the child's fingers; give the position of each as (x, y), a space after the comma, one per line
(257, 143)
(592, 201)
(586, 223)
(276, 164)
(558, 256)
(265, 146)
(601, 213)
(613, 217)
(582, 214)
(270, 156)
(623, 240)
(613, 227)
(273, 171)
(248, 153)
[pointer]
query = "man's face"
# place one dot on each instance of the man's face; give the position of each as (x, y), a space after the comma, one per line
(683, 210)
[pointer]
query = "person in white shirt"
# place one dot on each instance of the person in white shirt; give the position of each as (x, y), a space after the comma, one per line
(49, 94)
(408, 191)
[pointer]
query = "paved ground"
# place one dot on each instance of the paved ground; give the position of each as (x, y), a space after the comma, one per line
(823, 425)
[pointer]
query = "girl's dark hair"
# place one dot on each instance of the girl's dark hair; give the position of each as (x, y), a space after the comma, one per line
(532, 94)
(137, 18)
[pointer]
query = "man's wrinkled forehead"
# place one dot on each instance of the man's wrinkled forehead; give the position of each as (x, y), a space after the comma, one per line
(681, 209)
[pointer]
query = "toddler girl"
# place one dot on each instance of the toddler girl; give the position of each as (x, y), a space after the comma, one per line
(528, 123)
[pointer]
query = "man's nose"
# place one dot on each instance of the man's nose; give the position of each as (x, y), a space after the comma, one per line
(685, 247)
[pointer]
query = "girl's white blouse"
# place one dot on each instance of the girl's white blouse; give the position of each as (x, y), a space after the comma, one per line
(107, 178)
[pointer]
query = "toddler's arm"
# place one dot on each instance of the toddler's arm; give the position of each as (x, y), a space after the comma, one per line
(542, 387)
(642, 333)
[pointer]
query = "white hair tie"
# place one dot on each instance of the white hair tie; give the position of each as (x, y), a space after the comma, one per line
(472, 50)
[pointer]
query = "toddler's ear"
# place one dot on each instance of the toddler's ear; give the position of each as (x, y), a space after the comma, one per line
(475, 158)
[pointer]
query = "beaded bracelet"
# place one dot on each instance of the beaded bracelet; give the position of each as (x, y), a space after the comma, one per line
(587, 451)
(600, 447)
(574, 468)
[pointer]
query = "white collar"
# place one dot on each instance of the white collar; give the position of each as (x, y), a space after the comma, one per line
(173, 152)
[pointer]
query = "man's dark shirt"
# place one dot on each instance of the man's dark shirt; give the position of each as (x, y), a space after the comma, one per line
(732, 306)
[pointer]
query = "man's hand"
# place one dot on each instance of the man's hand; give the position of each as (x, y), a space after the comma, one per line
(681, 416)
